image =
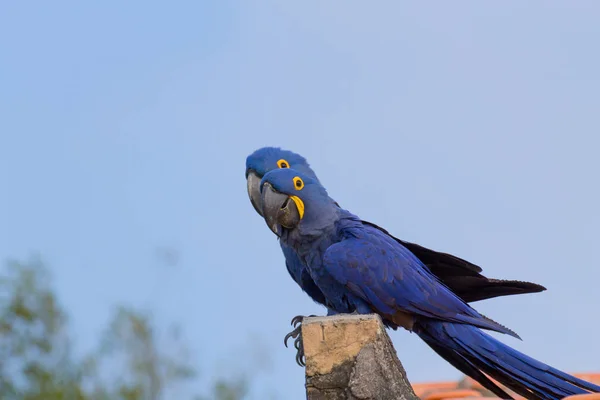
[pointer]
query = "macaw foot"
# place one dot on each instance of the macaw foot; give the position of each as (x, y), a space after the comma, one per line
(297, 335)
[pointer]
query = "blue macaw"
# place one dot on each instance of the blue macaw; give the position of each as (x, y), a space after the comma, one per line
(462, 277)
(362, 269)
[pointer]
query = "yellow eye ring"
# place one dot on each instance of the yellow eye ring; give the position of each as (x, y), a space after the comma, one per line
(298, 183)
(283, 163)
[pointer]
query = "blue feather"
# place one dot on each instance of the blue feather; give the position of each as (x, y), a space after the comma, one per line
(360, 268)
(528, 377)
(461, 276)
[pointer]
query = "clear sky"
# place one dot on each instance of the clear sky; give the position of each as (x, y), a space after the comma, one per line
(468, 127)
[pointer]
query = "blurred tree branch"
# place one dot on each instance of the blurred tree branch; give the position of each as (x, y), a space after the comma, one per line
(132, 362)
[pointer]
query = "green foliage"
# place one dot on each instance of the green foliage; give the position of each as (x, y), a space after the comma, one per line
(146, 372)
(34, 347)
(225, 390)
(133, 361)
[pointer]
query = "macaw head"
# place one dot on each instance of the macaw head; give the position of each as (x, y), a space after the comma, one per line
(291, 199)
(267, 159)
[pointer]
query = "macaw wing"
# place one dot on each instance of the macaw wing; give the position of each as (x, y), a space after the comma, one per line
(448, 263)
(463, 277)
(387, 276)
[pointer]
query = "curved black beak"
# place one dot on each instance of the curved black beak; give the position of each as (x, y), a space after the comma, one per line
(253, 185)
(279, 210)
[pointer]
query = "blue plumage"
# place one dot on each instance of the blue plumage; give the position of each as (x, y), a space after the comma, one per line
(380, 272)
(462, 277)
(360, 268)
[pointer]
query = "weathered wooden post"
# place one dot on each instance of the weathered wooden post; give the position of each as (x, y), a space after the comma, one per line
(352, 357)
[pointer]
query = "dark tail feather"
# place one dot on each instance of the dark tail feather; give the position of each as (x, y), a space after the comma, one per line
(476, 353)
(477, 288)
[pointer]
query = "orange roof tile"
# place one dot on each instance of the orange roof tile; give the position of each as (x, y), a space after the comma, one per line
(469, 388)
(588, 376)
(423, 389)
(453, 394)
(590, 396)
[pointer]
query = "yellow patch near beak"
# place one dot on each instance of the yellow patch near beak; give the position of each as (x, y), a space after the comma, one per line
(299, 204)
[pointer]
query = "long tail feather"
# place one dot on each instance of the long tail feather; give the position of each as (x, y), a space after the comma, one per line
(476, 353)
(464, 366)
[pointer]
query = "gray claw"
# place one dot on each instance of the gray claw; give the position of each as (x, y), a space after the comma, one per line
(294, 334)
(297, 320)
(300, 353)
(297, 335)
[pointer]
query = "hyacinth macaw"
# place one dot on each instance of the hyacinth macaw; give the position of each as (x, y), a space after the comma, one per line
(462, 277)
(362, 269)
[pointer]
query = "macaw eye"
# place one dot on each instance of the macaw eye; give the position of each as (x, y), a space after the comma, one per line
(283, 163)
(298, 183)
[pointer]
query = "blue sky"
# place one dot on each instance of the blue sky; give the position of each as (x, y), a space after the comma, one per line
(467, 127)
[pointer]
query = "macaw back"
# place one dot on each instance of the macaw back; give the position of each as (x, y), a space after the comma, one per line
(360, 268)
